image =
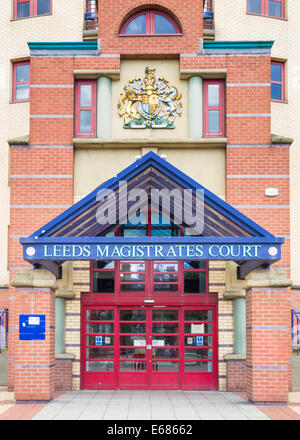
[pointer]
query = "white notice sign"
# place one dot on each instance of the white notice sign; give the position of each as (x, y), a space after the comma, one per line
(138, 343)
(158, 343)
(197, 328)
(34, 320)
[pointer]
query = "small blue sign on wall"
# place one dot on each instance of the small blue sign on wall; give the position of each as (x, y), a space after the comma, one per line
(99, 340)
(32, 327)
(199, 341)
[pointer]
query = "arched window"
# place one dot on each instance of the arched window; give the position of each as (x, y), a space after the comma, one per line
(150, 22)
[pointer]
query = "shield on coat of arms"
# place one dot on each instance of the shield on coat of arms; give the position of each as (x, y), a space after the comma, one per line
(149, 103)
(150, 106)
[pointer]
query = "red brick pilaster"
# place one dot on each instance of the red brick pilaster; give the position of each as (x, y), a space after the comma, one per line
(34, 365)
(268, 344)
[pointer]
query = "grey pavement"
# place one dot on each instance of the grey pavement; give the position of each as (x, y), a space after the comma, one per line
(149, 405)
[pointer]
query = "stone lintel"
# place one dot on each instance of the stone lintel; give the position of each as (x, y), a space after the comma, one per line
(114, 75)
(22, 140)
(187, 142)
(235, 293)
(274, 277)
(277, 139)
(204, 73)
(234, 357)
(34, 278)
(64, 356)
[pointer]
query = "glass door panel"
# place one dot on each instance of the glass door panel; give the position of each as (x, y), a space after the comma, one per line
(149, 347)
(133, 347)
(199, 357)
(98, 350)
(165, 352)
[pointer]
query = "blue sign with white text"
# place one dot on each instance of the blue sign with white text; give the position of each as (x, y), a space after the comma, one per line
(32, 327)
(180, 250)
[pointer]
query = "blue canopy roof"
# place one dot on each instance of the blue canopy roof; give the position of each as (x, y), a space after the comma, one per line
(223, 224)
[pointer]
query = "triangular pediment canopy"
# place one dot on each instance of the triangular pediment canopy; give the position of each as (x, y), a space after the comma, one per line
(222, 223)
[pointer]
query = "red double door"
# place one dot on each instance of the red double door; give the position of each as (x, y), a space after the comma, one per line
(149, 347)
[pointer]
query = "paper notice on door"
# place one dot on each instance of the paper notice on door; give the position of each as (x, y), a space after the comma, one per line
(197, 328)
(138, 343)
(158, 342)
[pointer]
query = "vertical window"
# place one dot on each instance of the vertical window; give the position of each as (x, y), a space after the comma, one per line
(271, 8)
(213, 108)
(85, 108)
(43, 7)
(22, 9)
(277, 81)
(275, 8)
(21, 81)
(30, 8)
(255, 6)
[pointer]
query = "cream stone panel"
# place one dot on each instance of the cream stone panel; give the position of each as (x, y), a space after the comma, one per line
(131, 69)
(233, 23)
(94, 167)
(205, 165)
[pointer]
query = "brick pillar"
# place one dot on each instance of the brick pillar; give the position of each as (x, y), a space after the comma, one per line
(268, 340)
(34, 367)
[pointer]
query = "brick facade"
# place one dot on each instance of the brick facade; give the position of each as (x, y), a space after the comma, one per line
(42, 186)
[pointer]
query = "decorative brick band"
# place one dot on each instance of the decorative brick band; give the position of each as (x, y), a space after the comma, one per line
(41, 146)
(249, 85)
(41, 176)
(267, 367)
(257, 145)
(34, 366)
(53, 116)
(258, 176)
(40, 206)
(52, 86)
(248, 115)
(268, 327)
(262, 206)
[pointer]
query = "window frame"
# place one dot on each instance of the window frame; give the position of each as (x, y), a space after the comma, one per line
(150, 23)
(92, 108)
(265, 9)
(32, 9)
(149, 283)
(15, 64)
(220, 108)
(281, 83)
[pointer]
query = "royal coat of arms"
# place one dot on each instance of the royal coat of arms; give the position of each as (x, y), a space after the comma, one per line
(149, 103)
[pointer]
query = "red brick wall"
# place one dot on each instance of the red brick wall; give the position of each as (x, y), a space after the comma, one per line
(268, 344)
(63, 375)
(34, 360)
(113, 12)
(236, 375)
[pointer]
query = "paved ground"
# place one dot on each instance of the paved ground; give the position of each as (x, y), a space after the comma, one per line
(147, 405)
